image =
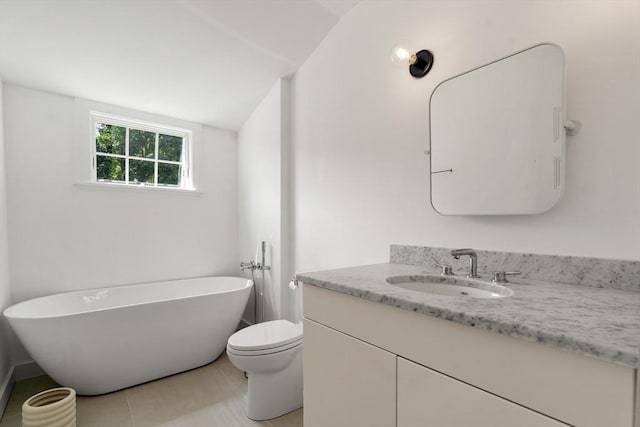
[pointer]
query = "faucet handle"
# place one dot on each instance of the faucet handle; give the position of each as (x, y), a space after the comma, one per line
(501, 276)
(247, 265)
(447, 270)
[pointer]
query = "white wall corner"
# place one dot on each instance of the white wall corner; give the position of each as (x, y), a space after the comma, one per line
(260, 198)
(6, 370)
(286, 206)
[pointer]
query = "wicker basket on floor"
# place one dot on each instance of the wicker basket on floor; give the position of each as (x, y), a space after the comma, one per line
(50, 408)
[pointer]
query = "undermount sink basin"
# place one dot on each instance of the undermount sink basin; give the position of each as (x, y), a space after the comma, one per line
(450, 286)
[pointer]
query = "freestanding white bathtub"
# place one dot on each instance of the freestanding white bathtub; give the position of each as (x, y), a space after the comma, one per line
(102, 340)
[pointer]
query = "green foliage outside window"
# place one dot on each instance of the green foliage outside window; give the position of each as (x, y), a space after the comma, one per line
(142, 144)
(168, 174)
(141, 171)
(110, 168)
(111, 139)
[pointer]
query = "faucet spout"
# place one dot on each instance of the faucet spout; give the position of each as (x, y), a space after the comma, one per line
(473, 260)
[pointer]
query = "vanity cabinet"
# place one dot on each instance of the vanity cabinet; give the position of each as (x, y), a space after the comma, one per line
(370, 364)
(428, 398)
(350, 382)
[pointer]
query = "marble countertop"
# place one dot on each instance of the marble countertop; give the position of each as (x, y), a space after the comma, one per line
(598, 322)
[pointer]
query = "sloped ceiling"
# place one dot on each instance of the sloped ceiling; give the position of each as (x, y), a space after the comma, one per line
(209, 61)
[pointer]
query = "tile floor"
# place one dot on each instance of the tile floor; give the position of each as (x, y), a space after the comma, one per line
(214, 395)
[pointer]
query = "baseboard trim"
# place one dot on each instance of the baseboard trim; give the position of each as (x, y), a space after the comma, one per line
(6, 388)
(20, 371)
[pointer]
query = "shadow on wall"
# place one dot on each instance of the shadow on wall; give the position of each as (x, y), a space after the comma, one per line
(16, 354)
(6, 336)
(4, 347)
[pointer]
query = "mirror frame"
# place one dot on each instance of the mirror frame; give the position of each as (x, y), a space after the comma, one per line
(560, 161)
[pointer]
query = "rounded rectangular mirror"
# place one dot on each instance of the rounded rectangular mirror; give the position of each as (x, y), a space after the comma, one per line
(498, 137)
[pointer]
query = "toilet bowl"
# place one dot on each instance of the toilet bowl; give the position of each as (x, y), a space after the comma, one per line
(271, 355)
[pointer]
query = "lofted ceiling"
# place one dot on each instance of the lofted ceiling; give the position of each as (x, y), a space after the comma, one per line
(208, 61)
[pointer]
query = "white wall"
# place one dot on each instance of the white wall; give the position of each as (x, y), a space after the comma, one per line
(5, 355)
(263, 197)
(64, 237)
(360, 129)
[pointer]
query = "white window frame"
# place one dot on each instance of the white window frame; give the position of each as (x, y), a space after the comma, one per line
(186, 178)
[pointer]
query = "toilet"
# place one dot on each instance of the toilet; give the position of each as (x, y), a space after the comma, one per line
(271, 355)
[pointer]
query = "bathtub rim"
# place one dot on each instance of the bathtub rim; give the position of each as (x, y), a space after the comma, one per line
(249, 284)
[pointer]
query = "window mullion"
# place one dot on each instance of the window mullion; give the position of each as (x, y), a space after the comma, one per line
(155, 163)
(144, 159)
(184, 172)
(117, 156)
(94, 150)
(170, 162)
(126, 154)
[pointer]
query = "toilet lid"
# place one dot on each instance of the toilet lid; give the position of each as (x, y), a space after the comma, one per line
(276, 333)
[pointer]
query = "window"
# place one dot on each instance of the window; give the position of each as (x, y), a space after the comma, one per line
(132, 152)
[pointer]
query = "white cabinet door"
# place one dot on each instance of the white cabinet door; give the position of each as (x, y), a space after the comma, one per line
(347, 382)
(427, 398)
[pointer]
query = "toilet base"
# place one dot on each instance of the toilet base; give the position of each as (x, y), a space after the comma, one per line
(274, 394)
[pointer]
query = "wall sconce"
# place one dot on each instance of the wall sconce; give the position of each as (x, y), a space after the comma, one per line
(419, 62)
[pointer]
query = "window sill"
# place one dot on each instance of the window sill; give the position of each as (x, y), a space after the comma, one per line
(102, 186)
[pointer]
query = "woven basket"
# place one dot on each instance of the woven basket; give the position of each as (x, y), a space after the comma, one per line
(50, 408)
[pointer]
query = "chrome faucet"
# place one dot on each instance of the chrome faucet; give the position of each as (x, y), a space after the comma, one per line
(248, 265)
(252, 265)
(473, 260)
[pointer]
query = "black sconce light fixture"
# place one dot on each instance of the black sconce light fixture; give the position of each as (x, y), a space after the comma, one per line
(420, 62)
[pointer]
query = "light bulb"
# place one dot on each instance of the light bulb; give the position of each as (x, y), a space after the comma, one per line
(402, 52)
(419, 62)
